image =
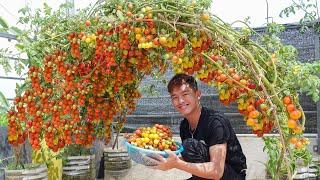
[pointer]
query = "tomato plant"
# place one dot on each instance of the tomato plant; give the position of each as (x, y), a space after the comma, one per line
(84, 76)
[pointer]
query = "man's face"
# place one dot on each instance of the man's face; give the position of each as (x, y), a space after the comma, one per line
(185, 99)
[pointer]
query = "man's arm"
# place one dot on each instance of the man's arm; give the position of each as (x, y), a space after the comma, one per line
(210, 170)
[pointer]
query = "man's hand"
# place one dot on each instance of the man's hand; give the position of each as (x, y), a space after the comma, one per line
(165, 164)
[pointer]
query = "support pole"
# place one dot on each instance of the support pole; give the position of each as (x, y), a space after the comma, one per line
(317, 56)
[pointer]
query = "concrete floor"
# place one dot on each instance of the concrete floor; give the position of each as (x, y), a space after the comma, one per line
(252, 147)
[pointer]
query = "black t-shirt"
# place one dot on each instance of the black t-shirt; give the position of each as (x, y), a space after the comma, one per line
(214, 128)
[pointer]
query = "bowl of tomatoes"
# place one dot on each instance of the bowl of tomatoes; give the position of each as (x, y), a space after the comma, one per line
(148, 143)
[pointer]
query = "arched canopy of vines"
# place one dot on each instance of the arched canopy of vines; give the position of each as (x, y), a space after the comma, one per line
(87, 69)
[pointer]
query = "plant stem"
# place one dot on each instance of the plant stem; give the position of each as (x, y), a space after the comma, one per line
(266, 85)
(174, 12)
(116, 140)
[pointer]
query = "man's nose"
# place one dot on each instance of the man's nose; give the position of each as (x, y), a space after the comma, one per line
(180, 99)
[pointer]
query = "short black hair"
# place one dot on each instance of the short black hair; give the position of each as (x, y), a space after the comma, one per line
(180, 79)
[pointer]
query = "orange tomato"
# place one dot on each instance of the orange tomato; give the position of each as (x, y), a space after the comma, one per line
(254, 114)
(299, 145)
(88, 23)
(287, 100)
(293, 140)
(291, 107)
(297, 130)
(251, 108)
(296, 114)
(236, 77)
(292, 124)
(250, 122)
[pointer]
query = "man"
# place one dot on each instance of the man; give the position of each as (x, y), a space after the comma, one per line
(212, 150)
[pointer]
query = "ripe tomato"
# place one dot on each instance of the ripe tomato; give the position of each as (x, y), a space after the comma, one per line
(299, 145)
(259, 101)
(297, 130)
(291, 107)
(205, 17)
(163, 40)
(88, 23)
(250, 122)
(292, 124)
(287, 100)
(236, 77)
(293, 140)
(251, 108)
(254, 114)
(156, 41)
(296, 114)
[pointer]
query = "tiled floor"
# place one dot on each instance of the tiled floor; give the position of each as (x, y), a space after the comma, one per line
(252, 148)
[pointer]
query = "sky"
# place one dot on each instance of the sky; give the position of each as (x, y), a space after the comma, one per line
(228, 10)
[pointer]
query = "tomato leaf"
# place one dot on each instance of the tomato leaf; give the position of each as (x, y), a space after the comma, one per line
(3, 101)
(120, 15)
(15, 30)
(3, 23)
(20, 47)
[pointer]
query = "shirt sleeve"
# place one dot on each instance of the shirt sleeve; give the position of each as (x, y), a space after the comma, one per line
(218, 132)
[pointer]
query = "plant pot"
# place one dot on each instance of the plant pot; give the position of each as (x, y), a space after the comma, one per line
(79, 167)
(40, 172)
(117, 163)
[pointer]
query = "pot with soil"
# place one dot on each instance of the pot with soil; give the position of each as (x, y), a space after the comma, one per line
(31, 171)
(117, 162)
(79, 164)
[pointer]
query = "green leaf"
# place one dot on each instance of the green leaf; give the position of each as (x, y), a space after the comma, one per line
(3, 23)
(24, 10)
(120, 15)
(3, 100)
(16, 30)
(20, 88)
(20, 47)
(3, 30)
(18, 67)
(3, 109)
(47, 9)
(3, 119)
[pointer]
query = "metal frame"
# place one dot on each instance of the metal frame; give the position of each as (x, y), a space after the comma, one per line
(317, 56)
(8, 36)
(12, 78)
(318, 126)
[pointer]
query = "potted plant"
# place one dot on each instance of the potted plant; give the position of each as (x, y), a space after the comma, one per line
(21, 170)
(78, 162)
(16, 166)
(117, 162)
